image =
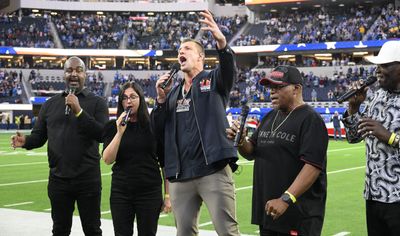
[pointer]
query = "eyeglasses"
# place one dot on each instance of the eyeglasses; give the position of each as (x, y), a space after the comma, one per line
(131, 97)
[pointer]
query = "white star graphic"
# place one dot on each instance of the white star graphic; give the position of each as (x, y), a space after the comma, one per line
(360, 45)
(301, 45)
(330, 45)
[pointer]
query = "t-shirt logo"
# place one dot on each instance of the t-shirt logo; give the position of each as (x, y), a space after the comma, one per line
(205, 85)
(270, 137)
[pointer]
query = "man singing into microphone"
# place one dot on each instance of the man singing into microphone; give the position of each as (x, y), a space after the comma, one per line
(379, 126)
(289, 152)
(72, 150)
(198, 156)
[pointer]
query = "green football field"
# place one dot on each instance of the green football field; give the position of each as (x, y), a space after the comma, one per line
(23, 183)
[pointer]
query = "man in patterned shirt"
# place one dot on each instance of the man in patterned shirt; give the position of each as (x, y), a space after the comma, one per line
(379, 126)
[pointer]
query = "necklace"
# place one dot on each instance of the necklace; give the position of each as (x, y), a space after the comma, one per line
(184, 94)
(276, 116)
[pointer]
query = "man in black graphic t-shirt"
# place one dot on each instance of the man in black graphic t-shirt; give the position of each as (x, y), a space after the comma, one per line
(289, 149)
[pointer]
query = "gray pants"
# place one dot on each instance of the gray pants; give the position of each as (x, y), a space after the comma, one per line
(218, 193)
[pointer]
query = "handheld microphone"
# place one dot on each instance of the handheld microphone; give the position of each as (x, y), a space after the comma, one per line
(67, 111)
(243, 116)
(369, 81)
(176, 67)
(126, 118)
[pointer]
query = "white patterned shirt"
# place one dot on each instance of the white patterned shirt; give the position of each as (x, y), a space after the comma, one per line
(382, 180)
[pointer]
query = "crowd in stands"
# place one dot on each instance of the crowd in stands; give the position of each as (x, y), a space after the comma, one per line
(165, 30)
(161, 31)
(346, 26)
(148, 85)
(342, 60)
(90, 30)
(229, 27)
(25, 31)
(246, 87)
(10, 86)
(315, 88)
(323, 25)
(48, 86)
(272, 30)
(386, 26)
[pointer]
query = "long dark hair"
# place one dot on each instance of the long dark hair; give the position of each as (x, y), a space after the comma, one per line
(143, 117)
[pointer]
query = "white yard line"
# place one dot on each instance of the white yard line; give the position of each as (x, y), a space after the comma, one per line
(105, 212)
(244, 188)
(342, 234)
(205, 224)
(27, 153)
(344, 149)
(345, 170)
(24, 182)
(37, 181)
(18, 204)
(244, 162)
(24, 164)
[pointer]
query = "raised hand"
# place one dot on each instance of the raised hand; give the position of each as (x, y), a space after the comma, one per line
(212, 26)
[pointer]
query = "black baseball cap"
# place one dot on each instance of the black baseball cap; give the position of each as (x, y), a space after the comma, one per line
(283, 75)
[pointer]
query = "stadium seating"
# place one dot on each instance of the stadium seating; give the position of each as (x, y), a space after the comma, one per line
(26, 31)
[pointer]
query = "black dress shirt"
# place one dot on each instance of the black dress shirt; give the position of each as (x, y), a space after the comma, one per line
(73, 142)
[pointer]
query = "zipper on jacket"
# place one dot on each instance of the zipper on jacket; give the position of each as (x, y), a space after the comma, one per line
(178, 168)
(198, 128)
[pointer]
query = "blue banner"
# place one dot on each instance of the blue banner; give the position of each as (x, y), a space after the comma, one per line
(331, 45)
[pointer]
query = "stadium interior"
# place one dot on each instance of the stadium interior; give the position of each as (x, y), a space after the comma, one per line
(326, 40)
(137, 40)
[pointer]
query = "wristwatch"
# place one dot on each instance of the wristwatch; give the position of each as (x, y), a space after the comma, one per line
(286, 198)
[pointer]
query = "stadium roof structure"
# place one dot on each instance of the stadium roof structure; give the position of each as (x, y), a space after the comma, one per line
(266, 5)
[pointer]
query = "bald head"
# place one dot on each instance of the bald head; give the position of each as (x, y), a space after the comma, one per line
(76, 61)
(75, 73)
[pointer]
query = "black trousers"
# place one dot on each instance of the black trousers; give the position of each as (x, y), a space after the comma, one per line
(63, 193)
(310, 226)
(383, 218)
(267, 232)
(128, 202)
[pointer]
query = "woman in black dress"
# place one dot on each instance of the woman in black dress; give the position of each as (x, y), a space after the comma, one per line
(137, 156)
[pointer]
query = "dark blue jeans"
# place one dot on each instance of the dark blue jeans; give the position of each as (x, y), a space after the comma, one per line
(383, 218)
(337, 132)
(63, 193)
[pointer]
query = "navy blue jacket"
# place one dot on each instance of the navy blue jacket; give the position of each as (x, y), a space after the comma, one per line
(209, 103)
